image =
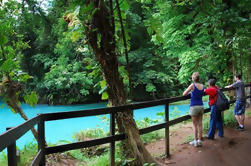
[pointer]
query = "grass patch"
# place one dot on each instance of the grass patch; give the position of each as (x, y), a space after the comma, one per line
(27, 154)
(205, 122)
(248, 112)
(188, 139)
(229, 119)
(153, 136)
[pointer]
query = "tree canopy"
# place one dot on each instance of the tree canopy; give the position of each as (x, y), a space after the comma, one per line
(166, 42)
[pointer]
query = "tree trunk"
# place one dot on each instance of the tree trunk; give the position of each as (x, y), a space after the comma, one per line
(12, 99)
(104, 51)
(13, 103)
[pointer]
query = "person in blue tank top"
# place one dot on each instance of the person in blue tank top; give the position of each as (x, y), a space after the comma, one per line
(196, 110)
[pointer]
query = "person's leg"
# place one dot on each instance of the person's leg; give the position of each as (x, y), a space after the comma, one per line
(241, 119)
(200, 127)
(239, 112)
(195, 129)
(219, 124)
(212, 125)
(237, 117)
(199, 141)
(242, 113)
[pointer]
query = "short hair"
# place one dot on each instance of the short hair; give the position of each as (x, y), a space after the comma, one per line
(238, 76)
(196, 77)
(212, 81)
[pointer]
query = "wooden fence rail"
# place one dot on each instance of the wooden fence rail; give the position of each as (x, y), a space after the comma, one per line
(8, 138)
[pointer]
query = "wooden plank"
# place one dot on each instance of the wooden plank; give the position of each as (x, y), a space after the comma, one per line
(152, 128)
(37, 158)
(112, 144)
(84, 144)
(180, 119)
(10, 136)
(41, 142)
(76, 114)
(78, 145)
(12, 153)
(167, 138)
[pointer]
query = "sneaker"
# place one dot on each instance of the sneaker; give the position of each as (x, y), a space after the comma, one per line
(240, 128)
(193, 143)
(199, 143)
(210, 138)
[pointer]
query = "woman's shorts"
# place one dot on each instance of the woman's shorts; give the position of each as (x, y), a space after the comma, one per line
(196, 110)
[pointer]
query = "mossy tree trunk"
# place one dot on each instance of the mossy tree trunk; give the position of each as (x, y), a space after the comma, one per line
(10, 90)
(104, 50)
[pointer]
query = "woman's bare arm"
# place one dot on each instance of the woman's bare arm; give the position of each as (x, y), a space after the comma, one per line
(188, 90)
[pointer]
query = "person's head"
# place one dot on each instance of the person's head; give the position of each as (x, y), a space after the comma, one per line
(237, 77)
(212, 82)
(196, 77)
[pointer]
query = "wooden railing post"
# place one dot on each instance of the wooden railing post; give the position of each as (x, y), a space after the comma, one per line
(250, 95)
(222, 115)
(41, 141)
(167, 145)
(12, 153)
(112, 144)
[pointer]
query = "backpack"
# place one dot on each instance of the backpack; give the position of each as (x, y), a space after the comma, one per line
(222, 102)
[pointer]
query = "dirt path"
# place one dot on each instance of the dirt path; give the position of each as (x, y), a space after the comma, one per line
(232, 150)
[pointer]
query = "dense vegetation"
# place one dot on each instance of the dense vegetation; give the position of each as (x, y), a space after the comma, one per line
(167, 41)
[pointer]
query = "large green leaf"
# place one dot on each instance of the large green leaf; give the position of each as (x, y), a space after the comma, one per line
(8, 65)
(104, 96)
(31, 99)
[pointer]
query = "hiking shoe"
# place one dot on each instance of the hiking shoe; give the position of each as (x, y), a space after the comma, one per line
(240, 128)
(193, 143)
(199, 143)
(210, 138)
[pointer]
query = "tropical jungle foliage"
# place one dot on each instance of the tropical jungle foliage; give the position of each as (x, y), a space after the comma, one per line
(167, 41)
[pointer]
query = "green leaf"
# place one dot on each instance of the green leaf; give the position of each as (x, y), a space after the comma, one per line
(75, 36)
(102, 83)
(23, 77)
(160, 114)
(31, 99)
(104, 96)
(3, 40)
(8, 65)
(102, 90)
(150, 88)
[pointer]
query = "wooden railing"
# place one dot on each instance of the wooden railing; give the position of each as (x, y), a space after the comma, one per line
(8, 139)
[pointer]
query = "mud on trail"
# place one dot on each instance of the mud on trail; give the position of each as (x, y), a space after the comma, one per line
(234, 149)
